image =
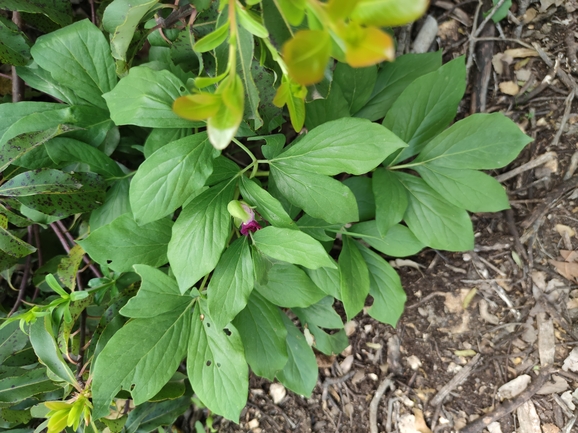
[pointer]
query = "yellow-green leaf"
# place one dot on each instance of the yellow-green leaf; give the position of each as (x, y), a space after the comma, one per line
(251, 24)
(388, 13)
(213, 39)
(224, 124)
(292, 95)
(366, 46)
(292, 10)
(340, 9)
(306, 56)
(199, 106)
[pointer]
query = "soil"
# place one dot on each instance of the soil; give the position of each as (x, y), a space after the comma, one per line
(507, 310)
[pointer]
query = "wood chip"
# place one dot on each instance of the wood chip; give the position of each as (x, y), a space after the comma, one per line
(546, 340)
(509, 88)
(514, 387)
(528, 418)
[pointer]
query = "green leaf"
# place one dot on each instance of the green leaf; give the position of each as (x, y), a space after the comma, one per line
(502, 11)
(434, 221)
(329, 344)
(292, 95)
(213, 39)
(120, 19)
(317, 228)
(27, 383)
(469, 189)
(140, 365)
(393, 78)
(289, 286)
(250, 23)
(390, 199)
(385, 288)
(354, 278)
(161, 137)
(479, 142)
(292, 246)
(231, 283)
(356, 84)
(320, 196)
(15, 48)
(116, 203)
(307, 55)
(388, 13)
(172, 174)
(78, 55)
(263, 334)
(216, 365)
(43, 181)
(59, 11)
(145, 98)
(12, 340)
(148, 416)
(21, 144)
(399, 241)
(68, 267)
(320, 111)
(268, 206)
(427, 106)
(14, 246)
(45, 347)
(245, 46)
(223, 169)
(300, 372)
(361, 188)
(67, 150)
(350, 145)
(293, 11)
(89, 196)
(158, 294)
(320, 314)
(200, 234)
(327, 279)
(42, 80)
(124, 243)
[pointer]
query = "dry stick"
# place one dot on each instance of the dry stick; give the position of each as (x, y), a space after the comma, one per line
(40, 259)
(477, 30)
(17, 82)
(568, 107)
(25, 275)
(456, 381)
(507, 408)
(571, 47)
(386, 383)
(564, 77)
(542, 159)
(541, 87)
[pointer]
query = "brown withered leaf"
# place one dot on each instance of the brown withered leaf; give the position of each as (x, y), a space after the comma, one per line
(569, 256)
(567, 270)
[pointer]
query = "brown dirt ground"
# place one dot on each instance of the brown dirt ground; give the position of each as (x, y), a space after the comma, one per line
(524, 308)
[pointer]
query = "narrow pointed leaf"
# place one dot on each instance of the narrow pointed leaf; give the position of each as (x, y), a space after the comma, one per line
(124, 243)
(232, 282)
(385, 289)
(300, 372)
(350, 145)
(320, 196)
(200, 235)
(470, 189)
(216, 365)
(268, 206)
(289, 286)
(170, 176)
(141, 365)
(292, 246)
(390, 199)
(475, 143)
(433, 220)
(263, 333)
(354, 278)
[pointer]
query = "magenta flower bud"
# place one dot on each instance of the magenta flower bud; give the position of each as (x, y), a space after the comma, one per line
(249, 227)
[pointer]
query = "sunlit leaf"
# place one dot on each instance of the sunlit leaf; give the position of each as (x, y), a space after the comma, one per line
(306, 56)
(388, 13)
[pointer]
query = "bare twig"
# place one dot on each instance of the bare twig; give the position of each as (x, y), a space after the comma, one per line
(64, 236)
(507, 408)
(564, 77)
(25, 275)
(571, 48)
(17, 82)
(542, 159)
(386, 383)
(565, 117)
(458, 379)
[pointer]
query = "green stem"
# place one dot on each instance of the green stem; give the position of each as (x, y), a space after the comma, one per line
(400, 167)
(247, 151)
(261, 173)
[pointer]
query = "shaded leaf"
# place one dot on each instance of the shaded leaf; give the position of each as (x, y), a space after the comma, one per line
(398, 241)
(353, 276)
(15, 48)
